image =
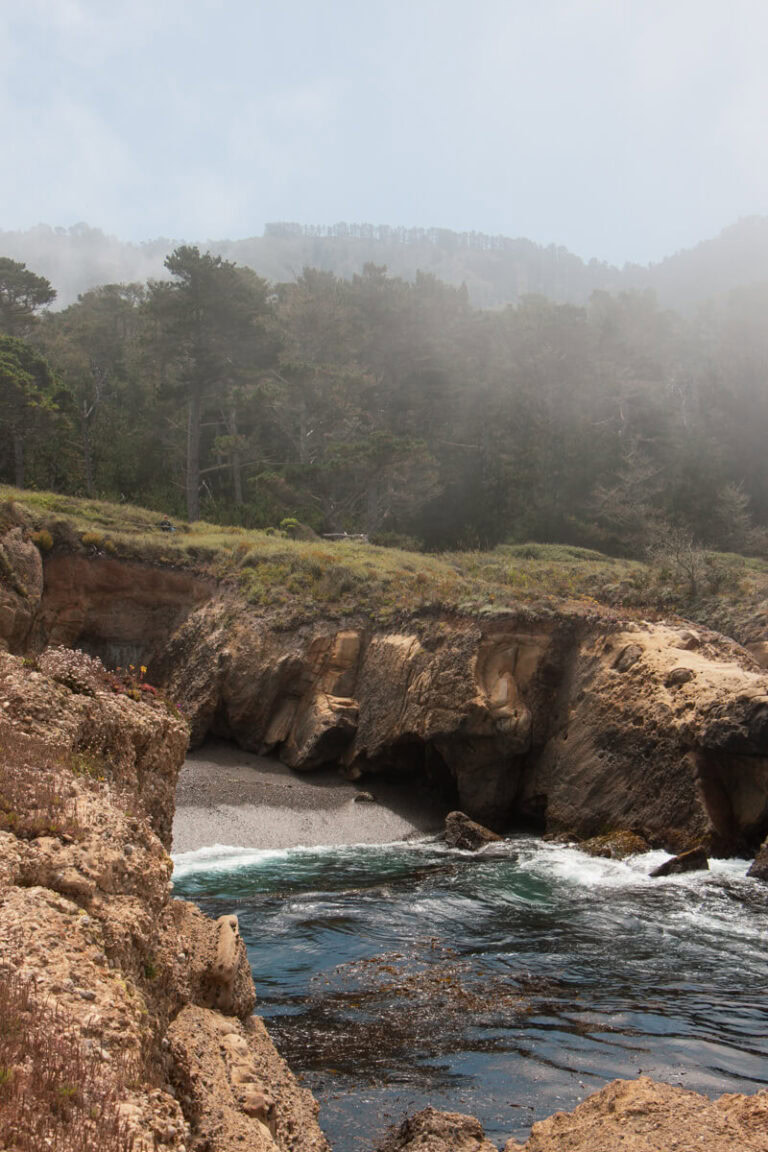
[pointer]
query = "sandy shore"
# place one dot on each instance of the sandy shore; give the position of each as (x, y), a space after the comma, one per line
(227, 796)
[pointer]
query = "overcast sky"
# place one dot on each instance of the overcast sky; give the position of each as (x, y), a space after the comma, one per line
(624, 130)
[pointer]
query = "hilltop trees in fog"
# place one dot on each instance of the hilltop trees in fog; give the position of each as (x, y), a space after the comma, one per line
(381, 405)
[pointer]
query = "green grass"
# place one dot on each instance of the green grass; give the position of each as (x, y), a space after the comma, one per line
(296, 579)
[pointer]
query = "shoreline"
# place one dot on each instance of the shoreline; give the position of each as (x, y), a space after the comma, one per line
(230, 797)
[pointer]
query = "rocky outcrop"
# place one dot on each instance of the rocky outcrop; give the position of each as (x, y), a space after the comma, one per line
(644, 1116)
(571, 722)
(433, 1131)
(759, 868)
(625, 1116)
(615, 845)
(564, 717)
(236, 1089)
(466, 834)
(21, 589)
(145, 997)
(681, 760)
(695, 860)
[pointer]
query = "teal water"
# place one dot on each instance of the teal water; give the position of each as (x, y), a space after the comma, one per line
(507, 985)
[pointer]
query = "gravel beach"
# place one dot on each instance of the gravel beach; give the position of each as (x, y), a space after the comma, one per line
(227, 796)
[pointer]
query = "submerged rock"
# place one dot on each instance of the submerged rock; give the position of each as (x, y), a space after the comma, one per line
(461, 832)
(694, 860)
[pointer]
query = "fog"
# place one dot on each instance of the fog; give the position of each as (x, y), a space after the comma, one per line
(621, 131)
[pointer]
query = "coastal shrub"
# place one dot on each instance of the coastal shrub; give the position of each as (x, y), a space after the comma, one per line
(42, 539)
(92, 539)
(76, 670)
(53, 1092)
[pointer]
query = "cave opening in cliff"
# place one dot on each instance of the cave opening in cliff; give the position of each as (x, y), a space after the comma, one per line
(412, 763)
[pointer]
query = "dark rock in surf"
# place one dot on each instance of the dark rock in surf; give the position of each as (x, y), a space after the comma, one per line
(461, 832)
(364, 798)
(615, 845)
(694, 860)
(758, 869)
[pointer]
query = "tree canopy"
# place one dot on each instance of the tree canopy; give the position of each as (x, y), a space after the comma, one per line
(393, 407)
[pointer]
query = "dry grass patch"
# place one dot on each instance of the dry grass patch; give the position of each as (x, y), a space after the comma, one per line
(54, 1095)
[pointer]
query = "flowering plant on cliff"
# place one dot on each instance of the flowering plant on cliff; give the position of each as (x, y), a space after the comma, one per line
(130, 682)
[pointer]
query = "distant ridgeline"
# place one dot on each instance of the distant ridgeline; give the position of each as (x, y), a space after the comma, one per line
(496, 270)
(387, 234)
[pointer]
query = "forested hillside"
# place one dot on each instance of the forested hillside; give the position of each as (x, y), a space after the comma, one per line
(380, 405)
(496, 270)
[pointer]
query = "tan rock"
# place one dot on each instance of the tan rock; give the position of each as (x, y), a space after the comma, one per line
(433, 1131)
(644, 1116)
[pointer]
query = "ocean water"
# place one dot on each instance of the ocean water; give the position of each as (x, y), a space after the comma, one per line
(508, 984)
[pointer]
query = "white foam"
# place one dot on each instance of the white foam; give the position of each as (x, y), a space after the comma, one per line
(234, 858)
(570, 865)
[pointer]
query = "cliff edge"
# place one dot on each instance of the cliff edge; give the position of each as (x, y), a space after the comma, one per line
(126, 1014)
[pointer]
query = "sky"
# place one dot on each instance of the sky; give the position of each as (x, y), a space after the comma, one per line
(622, 129)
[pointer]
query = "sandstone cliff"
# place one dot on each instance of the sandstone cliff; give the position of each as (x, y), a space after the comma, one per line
(563, 716)
(566, 716)
(570, 720)
(126, 1015)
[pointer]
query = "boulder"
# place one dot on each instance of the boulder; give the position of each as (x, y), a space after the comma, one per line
(695, 860)
(433, 1131)
(615, 845)
(461, 832)
(759, 867)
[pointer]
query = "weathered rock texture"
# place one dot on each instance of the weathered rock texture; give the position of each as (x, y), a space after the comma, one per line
(466, 834)
(566, 717)
(572, 721)
(643, 1116)
(121, 611)
(21, 589)
(432, 1131)
(694, 860)
(142, 983)
(625, 1116)
(759, 867)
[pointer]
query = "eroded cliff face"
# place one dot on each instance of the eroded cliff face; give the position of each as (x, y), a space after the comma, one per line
(573, 721)
(570, 717)
(138, 1006)
(565, 717)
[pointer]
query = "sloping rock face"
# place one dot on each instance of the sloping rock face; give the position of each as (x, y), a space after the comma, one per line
(663, 731)
(134, 993)
(21, 589)
(466, 834)
(120, 611)
(457, 702)
(433, 1131)
(573, 722)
